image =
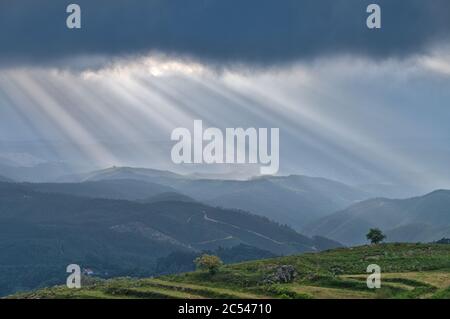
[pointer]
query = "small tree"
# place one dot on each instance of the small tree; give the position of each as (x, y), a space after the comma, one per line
(375, 236)
(208, 262)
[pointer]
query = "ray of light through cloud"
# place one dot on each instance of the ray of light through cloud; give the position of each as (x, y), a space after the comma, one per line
(328, 127)
(300, 112)
(73, 129)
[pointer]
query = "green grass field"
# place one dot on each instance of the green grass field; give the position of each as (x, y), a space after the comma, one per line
(408, 271)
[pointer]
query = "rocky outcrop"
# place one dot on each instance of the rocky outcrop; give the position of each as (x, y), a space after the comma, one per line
(281, 274)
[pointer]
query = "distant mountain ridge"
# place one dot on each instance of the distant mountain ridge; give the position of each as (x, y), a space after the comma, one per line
(126, 189)
(418, 219)
(42, 172)
(118, 173)
(293, 200)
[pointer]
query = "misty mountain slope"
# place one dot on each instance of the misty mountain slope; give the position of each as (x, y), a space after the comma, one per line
(425, 218)
(42, 172)
(417, 232)
(127, 189)
(5, 179)
(41, 233)
(176, 220)
(168, 197)
(394, 191)
(293, 200)
(130, 173)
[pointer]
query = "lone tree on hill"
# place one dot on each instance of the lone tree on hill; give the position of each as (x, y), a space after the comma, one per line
(375, 236)
(208, 262)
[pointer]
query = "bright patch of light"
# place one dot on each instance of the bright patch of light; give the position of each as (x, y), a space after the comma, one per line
(155, 66)
(438, 64)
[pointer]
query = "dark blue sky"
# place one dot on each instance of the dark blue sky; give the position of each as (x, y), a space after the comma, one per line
(222, 32)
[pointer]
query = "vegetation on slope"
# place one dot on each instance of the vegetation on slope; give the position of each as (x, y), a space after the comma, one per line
(408, 271)
(41, 233)
(419, 219)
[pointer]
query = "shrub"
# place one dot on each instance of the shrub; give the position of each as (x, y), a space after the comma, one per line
(210, 263)
(375, 236)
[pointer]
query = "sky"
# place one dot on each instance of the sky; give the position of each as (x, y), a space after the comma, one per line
(352, 104)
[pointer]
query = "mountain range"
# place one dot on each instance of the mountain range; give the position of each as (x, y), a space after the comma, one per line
(126, 189)
(293, 200)
(136, 221)
(312, 206)
(42, 232)
(418, 219)
(40, 172)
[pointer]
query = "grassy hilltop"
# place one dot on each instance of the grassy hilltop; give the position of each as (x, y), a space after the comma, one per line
(408, 271)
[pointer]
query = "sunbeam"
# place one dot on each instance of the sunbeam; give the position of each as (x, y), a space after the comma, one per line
(61, 118)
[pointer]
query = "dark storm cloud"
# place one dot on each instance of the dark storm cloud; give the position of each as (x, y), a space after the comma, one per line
(218, 31)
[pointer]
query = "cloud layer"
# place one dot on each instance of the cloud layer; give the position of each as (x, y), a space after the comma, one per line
(353, 120)
(257, 32)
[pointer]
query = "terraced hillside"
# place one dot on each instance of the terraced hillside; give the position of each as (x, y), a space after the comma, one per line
(408, 271)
